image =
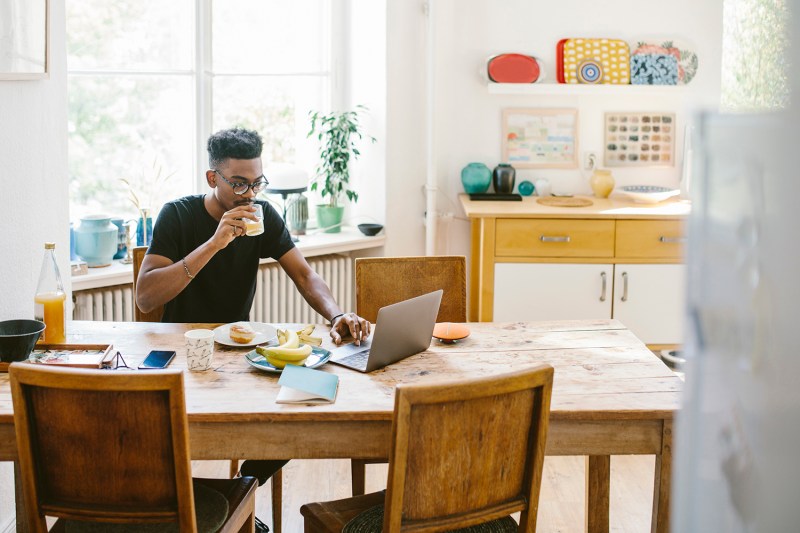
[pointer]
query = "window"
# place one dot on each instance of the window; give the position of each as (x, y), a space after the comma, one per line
(149, 80)
(755, 50)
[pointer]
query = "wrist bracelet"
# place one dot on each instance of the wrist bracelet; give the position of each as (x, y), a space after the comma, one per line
(334, 318)
(186, 268)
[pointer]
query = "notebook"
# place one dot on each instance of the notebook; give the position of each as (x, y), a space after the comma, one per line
(401, 330)
(300, 384)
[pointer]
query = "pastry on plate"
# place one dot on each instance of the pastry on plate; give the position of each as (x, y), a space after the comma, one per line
(242, 333)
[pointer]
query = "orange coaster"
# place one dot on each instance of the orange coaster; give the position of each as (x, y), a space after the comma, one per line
(450, 332)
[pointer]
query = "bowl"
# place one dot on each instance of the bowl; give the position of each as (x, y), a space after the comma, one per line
(370, 230)
(648, 194)
(17, 339)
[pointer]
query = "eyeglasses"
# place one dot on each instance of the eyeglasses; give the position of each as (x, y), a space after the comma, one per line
(242, 187)
(118, 363)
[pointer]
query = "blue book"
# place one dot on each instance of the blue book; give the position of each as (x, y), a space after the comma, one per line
(300, 384)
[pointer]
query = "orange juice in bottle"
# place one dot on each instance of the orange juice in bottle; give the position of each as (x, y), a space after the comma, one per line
(50, 299)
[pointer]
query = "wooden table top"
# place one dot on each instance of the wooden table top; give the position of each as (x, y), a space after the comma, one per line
(602, 372)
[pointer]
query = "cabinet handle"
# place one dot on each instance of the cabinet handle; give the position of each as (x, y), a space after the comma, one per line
(624, 287)
(603, 289)
(672, 239)
(546, 238)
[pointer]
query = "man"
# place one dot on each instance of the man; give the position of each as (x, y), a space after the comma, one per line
(202, 267)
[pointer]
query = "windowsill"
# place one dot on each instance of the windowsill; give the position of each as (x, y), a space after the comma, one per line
(311, 245)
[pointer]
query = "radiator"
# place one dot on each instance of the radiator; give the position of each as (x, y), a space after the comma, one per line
(113, 303)
(276, 299)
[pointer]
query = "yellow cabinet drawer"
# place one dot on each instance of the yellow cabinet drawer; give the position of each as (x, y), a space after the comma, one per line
(650, 239)
(522, 237)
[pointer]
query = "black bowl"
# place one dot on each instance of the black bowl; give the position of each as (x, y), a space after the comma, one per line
(370, 230)
(17, 339)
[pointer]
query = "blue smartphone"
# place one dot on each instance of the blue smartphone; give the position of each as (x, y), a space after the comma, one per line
(157, 359)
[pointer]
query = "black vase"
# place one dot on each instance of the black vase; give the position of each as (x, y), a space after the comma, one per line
(503, 177)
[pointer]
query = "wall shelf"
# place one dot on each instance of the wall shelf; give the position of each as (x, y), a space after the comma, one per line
(566, 89)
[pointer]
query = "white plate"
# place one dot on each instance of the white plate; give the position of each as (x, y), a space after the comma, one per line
(649, 194)
(319, 356)
(264, 333)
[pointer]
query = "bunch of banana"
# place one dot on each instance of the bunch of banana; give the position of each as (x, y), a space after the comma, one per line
(290, 350)
(305, 335)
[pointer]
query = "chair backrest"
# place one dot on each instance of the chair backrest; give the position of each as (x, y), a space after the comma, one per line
(102, 446)
(467, 452)
(138, 316)
(381, 281)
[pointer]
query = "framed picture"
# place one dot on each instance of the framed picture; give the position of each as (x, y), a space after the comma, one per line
(540, 138)
(24, 39)
(639, 139)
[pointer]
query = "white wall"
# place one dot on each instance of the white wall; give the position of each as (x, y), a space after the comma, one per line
(467, 120)
(33, 151)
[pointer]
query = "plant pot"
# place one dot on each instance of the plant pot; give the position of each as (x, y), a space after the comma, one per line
(96, 240)
(330, 217)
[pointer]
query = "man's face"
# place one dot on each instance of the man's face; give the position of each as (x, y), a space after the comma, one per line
(239, 172)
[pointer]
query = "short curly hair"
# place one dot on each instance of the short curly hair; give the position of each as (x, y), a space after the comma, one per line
(234, 143)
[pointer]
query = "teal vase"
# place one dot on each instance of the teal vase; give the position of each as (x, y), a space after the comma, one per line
(96, 240)
(476, 178)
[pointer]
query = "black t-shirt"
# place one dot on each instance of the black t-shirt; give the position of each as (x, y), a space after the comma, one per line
(223, 290)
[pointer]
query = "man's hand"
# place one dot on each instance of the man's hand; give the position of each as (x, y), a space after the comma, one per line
(350, 324)
(231, 225)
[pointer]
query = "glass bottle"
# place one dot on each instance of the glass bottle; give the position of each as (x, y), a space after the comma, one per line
(50, 299)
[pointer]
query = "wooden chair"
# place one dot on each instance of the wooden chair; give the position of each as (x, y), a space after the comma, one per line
(155, 316)
(382, 281)
(462, 453)
(113, 448)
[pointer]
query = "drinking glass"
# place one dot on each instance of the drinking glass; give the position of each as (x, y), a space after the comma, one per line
(255, 227)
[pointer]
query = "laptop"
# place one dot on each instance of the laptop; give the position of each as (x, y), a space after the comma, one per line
(401, 330)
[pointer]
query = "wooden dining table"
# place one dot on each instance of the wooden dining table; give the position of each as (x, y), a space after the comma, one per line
(611, 396)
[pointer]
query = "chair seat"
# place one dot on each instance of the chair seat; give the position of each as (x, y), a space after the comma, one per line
(364, 514)
(216, 503)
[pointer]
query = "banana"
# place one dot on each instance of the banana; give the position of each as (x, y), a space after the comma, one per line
(280, 363)
(285, 354)
(288, 338)
(308, 339)
(306, 330)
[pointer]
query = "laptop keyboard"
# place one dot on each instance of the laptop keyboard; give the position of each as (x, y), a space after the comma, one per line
(357, 360)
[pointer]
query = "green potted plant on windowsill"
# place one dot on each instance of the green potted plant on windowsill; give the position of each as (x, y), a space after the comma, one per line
(337, 133)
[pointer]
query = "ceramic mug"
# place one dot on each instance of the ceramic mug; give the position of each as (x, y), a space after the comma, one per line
(199, 349)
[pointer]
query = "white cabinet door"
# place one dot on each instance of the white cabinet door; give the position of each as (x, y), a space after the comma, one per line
(550, 291)
(650, 300)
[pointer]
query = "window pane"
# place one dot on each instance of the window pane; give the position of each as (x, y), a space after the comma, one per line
(270, 35)
(275, 107)
(145, 34)
(127, 127)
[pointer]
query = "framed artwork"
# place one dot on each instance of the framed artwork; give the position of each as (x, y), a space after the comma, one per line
(639, 139)
(24, 39)
(540, 138)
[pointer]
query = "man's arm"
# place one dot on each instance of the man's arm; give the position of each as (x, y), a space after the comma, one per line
(160, 280)
(318, 295)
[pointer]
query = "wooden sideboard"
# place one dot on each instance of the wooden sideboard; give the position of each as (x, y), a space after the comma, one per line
(613, 259)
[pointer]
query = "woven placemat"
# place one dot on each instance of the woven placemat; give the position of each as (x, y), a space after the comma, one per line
(561, 201)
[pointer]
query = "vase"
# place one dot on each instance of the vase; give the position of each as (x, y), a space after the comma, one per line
(476, 178)
(144, 236)
(297, 215)
(122, 247)
(602, 182)
(503, 178)
(96, 240)
(330, 218)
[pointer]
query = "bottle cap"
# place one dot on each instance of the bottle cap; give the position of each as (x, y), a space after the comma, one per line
(49, 246)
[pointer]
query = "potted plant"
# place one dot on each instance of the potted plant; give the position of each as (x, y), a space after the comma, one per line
(337, 133)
